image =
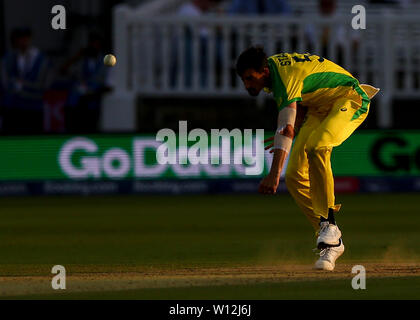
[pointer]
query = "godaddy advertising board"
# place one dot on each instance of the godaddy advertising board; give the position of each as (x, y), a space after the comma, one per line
(379, 160)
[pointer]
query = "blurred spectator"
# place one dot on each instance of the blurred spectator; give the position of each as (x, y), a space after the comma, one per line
(194, 8)
(334, 37)
(25, 71)
(91, 80)
(260, 7)
(327, 8)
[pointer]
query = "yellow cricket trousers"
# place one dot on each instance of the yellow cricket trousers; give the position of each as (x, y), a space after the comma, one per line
(309, 177)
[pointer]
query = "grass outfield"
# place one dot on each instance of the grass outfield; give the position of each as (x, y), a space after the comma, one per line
(154, 246)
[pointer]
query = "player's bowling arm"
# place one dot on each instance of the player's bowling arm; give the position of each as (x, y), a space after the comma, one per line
(281, 147)
(280, 155)
(284, 137)
(288, 120)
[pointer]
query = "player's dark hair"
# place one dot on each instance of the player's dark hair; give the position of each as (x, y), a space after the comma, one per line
(252, 58)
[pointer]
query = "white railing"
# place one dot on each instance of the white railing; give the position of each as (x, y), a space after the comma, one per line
(181, 56)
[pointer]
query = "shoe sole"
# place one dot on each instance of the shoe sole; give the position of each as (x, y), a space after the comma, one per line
(324, 268)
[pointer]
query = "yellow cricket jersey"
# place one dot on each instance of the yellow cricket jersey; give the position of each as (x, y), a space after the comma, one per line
(315, 81)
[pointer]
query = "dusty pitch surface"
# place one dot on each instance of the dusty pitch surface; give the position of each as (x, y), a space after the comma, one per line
(190, 277)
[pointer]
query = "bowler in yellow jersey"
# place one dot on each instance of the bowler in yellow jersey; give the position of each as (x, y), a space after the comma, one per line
(333, 105)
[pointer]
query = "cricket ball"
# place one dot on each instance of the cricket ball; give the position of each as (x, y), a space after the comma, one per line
(110, 60)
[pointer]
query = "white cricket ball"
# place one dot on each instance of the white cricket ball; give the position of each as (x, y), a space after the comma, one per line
(110, 60)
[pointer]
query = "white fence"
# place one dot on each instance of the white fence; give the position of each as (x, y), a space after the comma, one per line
(174, 56)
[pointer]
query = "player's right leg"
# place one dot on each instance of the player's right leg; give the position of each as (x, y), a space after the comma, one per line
(333, 130)
(344, 118)
(298, 184)
(297, 181)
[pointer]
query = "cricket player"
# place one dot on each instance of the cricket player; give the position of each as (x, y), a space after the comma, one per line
(332, 104)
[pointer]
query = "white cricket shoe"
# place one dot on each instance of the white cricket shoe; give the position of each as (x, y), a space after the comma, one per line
(329, 235)
(328, 256)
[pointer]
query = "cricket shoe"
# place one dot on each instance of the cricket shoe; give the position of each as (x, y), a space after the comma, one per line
(328, 256)
(329, 235)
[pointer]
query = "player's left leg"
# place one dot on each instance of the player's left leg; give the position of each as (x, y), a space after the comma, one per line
(344, 118)
(297, 174)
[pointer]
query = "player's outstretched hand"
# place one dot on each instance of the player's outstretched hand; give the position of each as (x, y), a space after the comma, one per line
(270, 145)
(269, 185)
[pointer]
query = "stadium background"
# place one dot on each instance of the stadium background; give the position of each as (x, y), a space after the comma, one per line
(122, 212)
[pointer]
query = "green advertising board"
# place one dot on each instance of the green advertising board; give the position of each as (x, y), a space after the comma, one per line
(102, 157)
(378, 153)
